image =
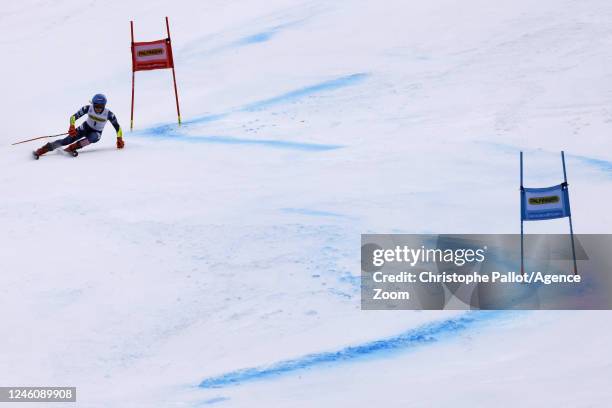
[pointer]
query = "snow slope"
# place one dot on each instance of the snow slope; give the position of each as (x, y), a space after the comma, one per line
(218, 263)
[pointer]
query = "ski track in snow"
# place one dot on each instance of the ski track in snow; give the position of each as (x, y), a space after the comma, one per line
(314, 213)
(426, 334)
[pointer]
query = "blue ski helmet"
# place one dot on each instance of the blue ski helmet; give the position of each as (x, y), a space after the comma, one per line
(99, 99)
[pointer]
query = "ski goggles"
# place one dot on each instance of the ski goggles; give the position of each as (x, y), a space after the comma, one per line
(98, 106)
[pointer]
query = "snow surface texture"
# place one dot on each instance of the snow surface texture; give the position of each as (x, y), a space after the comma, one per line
(217, 264)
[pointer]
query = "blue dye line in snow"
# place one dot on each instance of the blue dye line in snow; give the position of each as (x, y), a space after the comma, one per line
(256, 38)
(194, 49)
(264, 36)
(603, 165)
(170, 131)
(215, 400)
(427, 334)
(306, 91)
(161, 130)
(277, 144)
(290, 96)
(600, 164)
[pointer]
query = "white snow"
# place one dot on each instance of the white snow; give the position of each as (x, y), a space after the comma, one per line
(233, 242)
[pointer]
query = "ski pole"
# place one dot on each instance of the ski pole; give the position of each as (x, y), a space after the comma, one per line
(40, 137)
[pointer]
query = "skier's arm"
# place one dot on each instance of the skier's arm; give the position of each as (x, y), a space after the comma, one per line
(77, 115)
(72, 130)
(113, 120)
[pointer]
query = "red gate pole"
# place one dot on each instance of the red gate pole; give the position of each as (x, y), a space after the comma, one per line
(178, 109)
(132, 117)
(132, 49)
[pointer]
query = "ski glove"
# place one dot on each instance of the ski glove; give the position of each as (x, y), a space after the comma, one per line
(120, 143)
(72, 131)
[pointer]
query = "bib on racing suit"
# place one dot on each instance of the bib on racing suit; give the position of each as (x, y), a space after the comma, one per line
(95, 120)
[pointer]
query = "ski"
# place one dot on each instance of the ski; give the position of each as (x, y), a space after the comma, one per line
(66, 152)
(72, 153)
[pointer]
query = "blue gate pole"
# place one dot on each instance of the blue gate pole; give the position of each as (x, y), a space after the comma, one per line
(522, 199)
(570, 216)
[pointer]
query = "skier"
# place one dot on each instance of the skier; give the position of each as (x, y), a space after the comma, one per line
(90, 131)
